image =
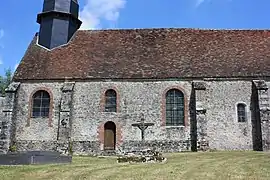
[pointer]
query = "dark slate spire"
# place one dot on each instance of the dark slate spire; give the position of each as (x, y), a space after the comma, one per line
(58, 22)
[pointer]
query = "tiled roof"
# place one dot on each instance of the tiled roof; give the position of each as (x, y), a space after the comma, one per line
(151, 53)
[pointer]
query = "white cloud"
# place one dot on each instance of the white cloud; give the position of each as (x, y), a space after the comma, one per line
(1, 61)
(96, 11)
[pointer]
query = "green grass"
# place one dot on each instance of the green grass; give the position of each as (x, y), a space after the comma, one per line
(193, 166)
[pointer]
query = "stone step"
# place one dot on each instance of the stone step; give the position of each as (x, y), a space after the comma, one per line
(109, 153)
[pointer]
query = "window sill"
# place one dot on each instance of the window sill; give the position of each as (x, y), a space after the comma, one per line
(39, 117)
(174, 127)
(109, 112)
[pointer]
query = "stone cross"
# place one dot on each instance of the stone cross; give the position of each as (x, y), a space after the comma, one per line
(142, 125)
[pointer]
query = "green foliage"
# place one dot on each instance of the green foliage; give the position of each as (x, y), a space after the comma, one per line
(13, 148)
(70, 151)
(5, 81)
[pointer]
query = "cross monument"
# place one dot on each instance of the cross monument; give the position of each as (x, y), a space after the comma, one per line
(142, 125)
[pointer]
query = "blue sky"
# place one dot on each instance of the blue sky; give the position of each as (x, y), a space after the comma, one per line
(18, 18)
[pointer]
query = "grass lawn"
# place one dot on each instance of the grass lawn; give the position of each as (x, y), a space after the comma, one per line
(206, 166)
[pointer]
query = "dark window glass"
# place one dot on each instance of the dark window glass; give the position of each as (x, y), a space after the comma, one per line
(174, 108)
(110, 101)
(41, 104)
(241, 112)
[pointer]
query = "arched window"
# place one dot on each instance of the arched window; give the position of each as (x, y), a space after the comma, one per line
(110, 101)
(175, 108)
(41, 104)
(241, 112)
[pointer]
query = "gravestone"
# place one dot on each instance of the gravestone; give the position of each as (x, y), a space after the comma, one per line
(33, 157)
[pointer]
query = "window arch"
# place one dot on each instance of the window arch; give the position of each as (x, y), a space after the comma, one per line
(41, 104)
(175, 108)
(110, 101)
(241, 112)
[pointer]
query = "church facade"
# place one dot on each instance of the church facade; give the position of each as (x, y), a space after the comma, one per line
(84, 90)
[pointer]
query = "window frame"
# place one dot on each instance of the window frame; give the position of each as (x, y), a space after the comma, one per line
(30, 105)
(44, 110)
(244, 113)
(180, 113)
(113, 106)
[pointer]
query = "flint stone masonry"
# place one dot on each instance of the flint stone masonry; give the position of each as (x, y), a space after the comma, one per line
(262, 109)
(163, 146)
(64, 125)
(223, 129)
(8, 123)
(2, 123)
(38, 129)
(200, 120)
(213, 106)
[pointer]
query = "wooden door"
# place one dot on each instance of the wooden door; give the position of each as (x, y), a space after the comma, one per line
(109, 136)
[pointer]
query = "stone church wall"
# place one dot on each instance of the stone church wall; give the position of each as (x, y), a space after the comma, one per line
(222, 129)
(2, 101)
(36, 133)
(134, 98)
(264, 99)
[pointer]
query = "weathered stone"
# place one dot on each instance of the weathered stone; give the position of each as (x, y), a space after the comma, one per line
(64, 125)
(199, 85)
(68, 86)
(78, 117)
(261, 121)
(13, 87)
(260, 84)
(8, 124)
(143, 156)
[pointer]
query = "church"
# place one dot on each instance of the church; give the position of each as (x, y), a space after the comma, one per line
(83, 90)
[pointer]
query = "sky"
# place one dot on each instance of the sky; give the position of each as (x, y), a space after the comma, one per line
(18, 18)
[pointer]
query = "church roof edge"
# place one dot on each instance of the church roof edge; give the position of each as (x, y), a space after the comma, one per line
(151, 53)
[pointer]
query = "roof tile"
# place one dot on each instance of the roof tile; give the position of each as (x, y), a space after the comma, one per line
(151, 53)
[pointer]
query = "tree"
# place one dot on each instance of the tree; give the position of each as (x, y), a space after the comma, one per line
(5, 81)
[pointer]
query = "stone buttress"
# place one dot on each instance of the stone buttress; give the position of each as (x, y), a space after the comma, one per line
(8, 124)
(200, 120)
(261, 112)
(64, 124)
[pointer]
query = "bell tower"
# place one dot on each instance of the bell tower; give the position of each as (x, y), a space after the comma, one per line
(58, 22)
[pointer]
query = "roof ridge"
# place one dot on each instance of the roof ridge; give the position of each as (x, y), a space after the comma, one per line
(152, 53)
(175, 28)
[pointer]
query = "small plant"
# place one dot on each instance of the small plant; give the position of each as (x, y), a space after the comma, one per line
(13, 148)
(70, 144)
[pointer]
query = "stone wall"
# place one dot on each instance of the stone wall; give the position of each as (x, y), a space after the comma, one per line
(223, 129)
(219, 124)
(134, 98)
(32, 132)
(261, 115)
(2, 105)
(2, 101)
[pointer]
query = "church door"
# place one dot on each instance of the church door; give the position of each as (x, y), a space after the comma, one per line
(109, 136)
